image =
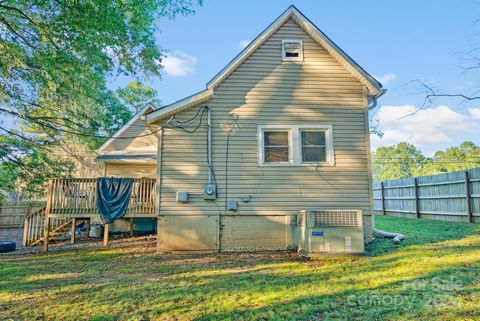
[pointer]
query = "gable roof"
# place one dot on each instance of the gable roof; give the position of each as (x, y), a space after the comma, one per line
(177, 106)
(374, 87)
(141, 112)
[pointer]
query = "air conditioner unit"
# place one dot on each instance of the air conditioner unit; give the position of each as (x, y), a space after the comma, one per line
(332, 231)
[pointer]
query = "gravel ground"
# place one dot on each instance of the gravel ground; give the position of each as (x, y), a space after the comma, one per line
(12, 234)
(16, 235)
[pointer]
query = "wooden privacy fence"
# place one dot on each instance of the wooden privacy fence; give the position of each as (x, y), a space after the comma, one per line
(451, 196)
(12, 213)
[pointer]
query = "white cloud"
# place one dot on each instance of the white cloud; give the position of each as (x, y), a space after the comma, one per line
(178, 64)
(422, 127)
(475, 113)
(242, 44)
(386, 78)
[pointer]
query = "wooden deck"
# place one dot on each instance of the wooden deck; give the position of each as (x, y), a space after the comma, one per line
(77, 197)
(71, 201)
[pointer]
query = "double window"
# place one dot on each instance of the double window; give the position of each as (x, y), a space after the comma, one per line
(295, 145)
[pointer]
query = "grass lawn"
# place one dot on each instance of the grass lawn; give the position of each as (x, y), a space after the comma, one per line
(433, 275)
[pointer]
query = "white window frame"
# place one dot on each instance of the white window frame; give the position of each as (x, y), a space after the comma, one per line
(295, 144)
(300, 56)
(261, 140)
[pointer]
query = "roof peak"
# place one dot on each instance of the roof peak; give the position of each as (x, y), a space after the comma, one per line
(311, 29)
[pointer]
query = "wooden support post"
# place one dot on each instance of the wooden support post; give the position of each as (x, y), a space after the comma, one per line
(131, 226)
(468, 198)
(105, 234)
(46, 225)
(417, 200)
(46, 232)
(26, 225)
(29, 211)
(87, 229)
(72, 230)
(383, 197)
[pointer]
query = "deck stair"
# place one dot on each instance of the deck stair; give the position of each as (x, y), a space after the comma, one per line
(34, 227)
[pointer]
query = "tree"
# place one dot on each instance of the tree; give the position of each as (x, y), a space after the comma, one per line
(136, 96)
(464, 156)
(29, 167)
(56, 57)
(8, 178)
(404, 160)
(399, 161)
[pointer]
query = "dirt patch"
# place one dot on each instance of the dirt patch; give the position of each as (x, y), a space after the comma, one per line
(16, 235)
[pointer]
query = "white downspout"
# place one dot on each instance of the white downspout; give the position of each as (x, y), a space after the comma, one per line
(397, 237)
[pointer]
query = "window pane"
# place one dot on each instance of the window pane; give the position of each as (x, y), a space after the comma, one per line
(276, 138)
(313, 138)
(276, 154)
(314, 154)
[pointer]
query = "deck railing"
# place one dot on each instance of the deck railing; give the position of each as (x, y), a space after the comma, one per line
(34, 226)
(77, 197)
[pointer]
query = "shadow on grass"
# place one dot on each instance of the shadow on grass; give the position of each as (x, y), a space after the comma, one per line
(134, 284)
(432, 296)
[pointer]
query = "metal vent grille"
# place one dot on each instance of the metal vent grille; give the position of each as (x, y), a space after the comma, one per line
(336, 218)
(301, 219)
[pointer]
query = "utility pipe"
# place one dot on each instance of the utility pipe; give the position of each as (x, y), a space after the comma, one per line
(397, 237)
(209, 143)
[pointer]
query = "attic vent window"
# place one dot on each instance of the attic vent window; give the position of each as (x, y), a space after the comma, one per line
(292, 50)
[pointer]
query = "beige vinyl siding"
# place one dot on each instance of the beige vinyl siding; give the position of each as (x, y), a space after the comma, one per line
(130, 142)
(131, 170)
(265, 90)
(136, 139)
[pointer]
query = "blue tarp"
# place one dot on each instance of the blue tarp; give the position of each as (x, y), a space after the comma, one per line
(113, 196)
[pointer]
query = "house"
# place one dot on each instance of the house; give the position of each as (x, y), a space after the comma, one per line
(283, 127)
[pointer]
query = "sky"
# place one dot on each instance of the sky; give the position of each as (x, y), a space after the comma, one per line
(398, 42)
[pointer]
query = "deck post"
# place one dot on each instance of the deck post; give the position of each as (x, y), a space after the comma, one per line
(72, 231)
(26, 225)
(130, 227)
(46, 232)
(87, 228)
(46, 225)
(105, 234)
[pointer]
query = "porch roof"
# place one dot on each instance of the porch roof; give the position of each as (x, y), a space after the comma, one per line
(132, 158)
